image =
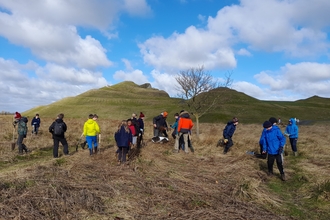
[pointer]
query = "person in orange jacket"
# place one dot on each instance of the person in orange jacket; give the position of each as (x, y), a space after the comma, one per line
(185, 125)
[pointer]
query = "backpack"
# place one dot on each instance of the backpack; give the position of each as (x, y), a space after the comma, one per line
(58, 128)
(136, 126)
(22, 126)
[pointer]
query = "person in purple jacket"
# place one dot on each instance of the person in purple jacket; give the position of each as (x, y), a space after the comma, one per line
(273, 142)
(123, 137)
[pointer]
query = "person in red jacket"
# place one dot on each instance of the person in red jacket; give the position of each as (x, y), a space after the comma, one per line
(131, 126)
(185, 125)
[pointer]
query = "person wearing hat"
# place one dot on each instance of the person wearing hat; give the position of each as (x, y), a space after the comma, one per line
(185, 125)
(22, 129)
(273, 121)
(291, 131)
(160, 125)
(228, 133)
(273, 142)
(141, 124)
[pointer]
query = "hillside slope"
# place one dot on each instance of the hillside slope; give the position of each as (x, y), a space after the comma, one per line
(122, 99)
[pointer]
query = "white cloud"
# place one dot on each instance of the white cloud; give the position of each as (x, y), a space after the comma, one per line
(137, 7)
(49, 30)
(98, 14)
(130, 74)
(202, 18)
(135, 76)
(244, 52)
(194, 47)
(306, 79)
(270, 25)
(275, 26)
(50, 84)
(59, 44)
(166, 82)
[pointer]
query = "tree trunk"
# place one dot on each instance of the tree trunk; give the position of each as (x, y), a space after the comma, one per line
(197, 126)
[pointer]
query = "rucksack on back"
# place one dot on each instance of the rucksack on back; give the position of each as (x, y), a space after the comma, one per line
(22, 126)
(58, 128)
(137, 128)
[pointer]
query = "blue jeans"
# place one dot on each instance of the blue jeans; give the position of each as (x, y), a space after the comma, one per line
(91, 140)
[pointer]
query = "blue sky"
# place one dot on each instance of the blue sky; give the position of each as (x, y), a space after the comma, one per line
(275, 49)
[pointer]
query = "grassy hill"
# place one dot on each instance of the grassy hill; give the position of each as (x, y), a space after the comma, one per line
(122, 99)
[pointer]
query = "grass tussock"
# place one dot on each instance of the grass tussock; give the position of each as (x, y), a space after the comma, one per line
(158, 184)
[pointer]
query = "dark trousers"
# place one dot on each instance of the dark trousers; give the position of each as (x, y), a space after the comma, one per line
(159, 133)
(122, 152)
(35, 130)
(63, 141)
(261, 155)
(20, 144)
(229, 144)
(293, 142)
(279, 162)
(139, 140)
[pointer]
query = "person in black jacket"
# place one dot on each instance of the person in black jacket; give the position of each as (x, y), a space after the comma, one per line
(35, 123)
(228, 133)
(160, 125)
(58, 128)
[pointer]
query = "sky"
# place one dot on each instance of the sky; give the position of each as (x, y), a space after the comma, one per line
(49, 50)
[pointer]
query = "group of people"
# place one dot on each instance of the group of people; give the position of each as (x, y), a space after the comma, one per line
(130, 133)
(181, 130)
(272, 143)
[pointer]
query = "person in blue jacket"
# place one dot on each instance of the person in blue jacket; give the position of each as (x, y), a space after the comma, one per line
(123, 138)
(35, 123)
(292, 131)
(274, 121)
(228, 133)
(273, 142)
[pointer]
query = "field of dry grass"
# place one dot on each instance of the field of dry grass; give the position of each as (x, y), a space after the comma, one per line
(160, 185)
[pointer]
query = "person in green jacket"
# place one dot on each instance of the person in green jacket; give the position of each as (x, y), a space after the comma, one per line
(91, 130)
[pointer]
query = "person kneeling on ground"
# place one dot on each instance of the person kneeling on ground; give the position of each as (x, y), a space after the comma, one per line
(228, 133)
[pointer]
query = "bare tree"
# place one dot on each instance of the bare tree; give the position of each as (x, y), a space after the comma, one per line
(194, 87)
(228, 80)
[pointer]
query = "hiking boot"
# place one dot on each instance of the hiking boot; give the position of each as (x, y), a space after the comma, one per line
(295, 153)
(95, 150)
(270, 173)
(283, 177)
(175, 151)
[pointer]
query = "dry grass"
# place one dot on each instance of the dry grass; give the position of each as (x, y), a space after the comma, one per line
(160, 185)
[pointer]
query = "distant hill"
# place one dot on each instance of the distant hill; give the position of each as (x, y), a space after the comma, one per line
(119, 101)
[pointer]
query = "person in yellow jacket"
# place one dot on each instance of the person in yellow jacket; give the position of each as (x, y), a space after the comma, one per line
(91, 130)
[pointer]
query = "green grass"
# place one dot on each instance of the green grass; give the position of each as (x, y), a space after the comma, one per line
(290, 192)
(121, 100)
